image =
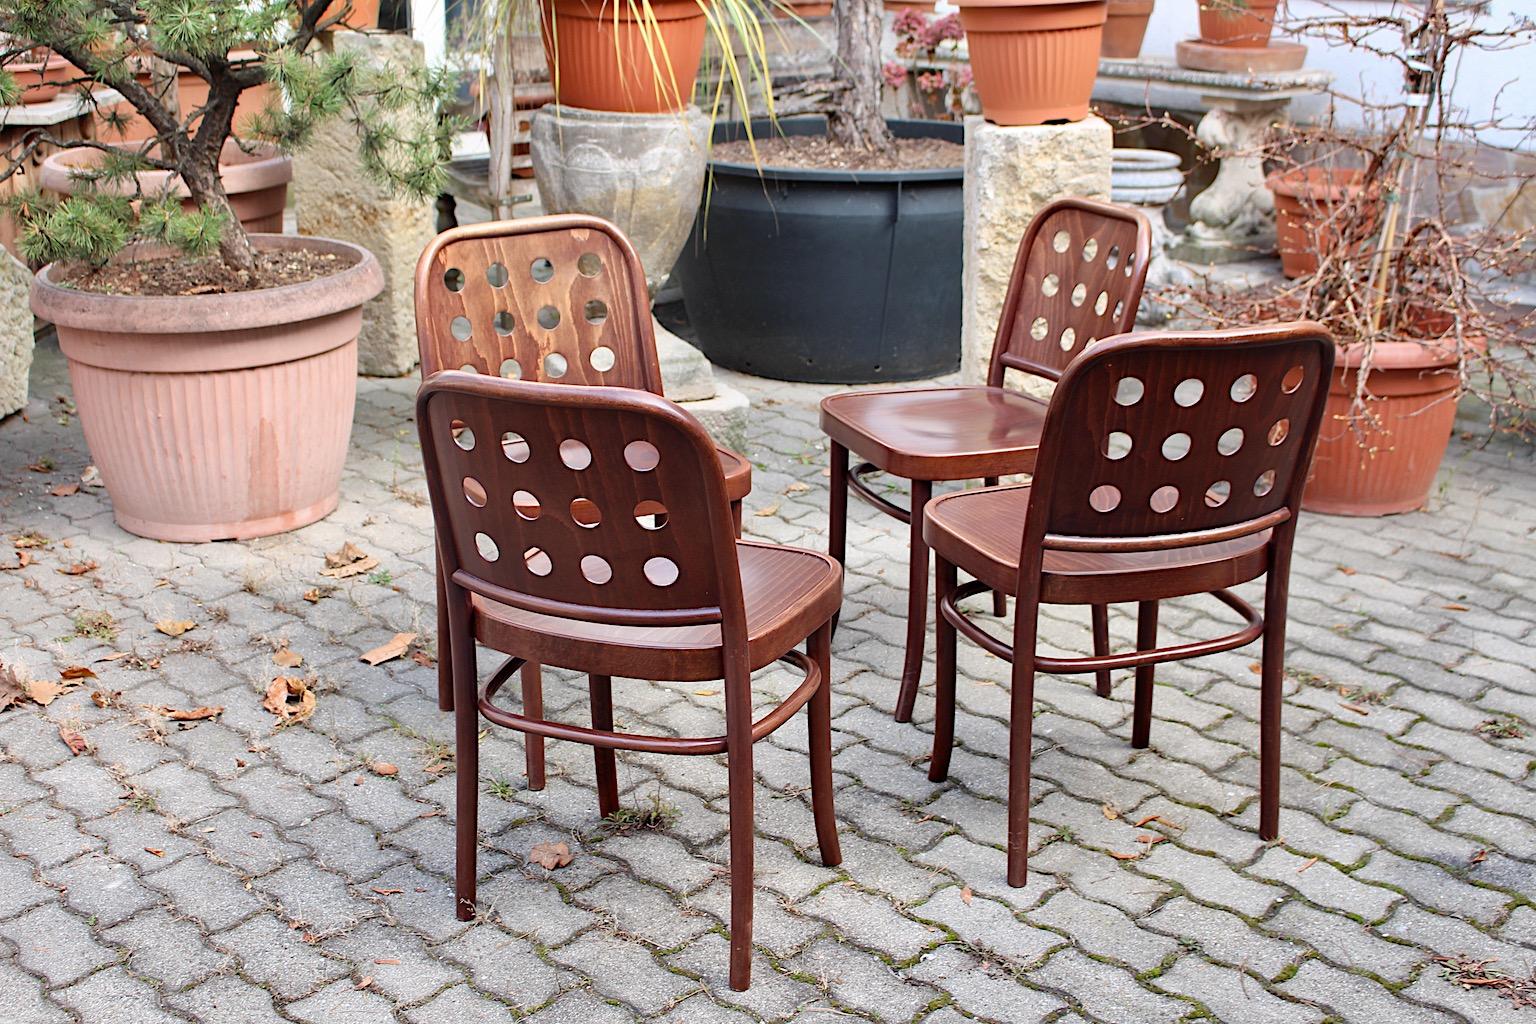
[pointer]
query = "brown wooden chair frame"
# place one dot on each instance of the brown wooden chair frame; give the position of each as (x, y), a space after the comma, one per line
(706, 591)
(1059, 525)
(475, 307)
(1014, 348)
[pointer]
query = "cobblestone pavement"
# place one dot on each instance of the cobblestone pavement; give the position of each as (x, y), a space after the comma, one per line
(234, 874)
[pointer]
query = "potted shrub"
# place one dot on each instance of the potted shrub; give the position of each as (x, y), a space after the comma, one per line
(934, 86)
(830, 249)
(213, 368)
(1410, 289)
(1245, 23)
(1034, 60)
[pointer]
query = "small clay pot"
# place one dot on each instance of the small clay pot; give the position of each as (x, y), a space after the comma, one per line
(1304, 200)
(602, 64)
(1246, 23)
(1034, 60)
(41, 80)
(1125, 28)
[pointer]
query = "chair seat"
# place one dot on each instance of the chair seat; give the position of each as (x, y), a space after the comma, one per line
(788, 592)
(981, 531)
(738, 474)
(958, 433)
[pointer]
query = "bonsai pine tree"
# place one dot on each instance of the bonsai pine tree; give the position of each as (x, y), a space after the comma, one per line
(232, 45)
(854, 119)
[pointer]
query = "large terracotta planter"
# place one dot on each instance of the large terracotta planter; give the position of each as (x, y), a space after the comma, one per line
(601, 63)
(1034, 60)
(1246, 23)
(1305, 199)
(1387, 466)
(256, 182)
(217, 417)
(1125, 29)
(40, 80)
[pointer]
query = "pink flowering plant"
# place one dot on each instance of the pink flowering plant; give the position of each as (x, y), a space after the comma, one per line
(927, 72)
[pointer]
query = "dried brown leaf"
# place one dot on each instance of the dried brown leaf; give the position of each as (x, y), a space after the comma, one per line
(1110, 811)
(106, 698)
(1306, 864)
(1454, 607)
(1124, 856)
(90, 476)
(397, 645)
(13, 684)
(29, 539)
(289, 698)
(77, 672)
(74, 741)
(284, 658)
(348, 561)
(184, 714)
(78, 568)
(423, 659)
(384, 768)
(797, 488)
(550, 855)
(154, 851)
(767, 510)
(388, 892)
(175, 627)
(313, 595)
(965, 895)
(64, 490)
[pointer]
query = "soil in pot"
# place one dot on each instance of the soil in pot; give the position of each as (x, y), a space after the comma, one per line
(1034, 61)
(818, 153)
(838, 275)
(600, 63)
(1386, 466)
(1125, 28)
(256, 181)
(217, 416)
(1247, 23)
(1305, 200)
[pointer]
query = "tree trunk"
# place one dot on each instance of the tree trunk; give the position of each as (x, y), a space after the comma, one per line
(501, 84)
(856, 119)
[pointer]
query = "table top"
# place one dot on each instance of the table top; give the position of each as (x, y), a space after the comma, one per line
(1158, 81)
(67, 105)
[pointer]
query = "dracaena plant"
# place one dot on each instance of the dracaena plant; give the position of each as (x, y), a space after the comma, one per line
(233, 46)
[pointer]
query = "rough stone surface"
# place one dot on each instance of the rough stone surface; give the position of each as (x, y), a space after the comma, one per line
(334, 198)
(232, 873)
(1009, 174)
(15, 333)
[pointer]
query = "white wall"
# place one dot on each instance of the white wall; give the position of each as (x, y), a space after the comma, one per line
(1488, 85)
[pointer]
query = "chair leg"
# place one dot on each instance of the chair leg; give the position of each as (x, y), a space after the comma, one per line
(444, 647)
(533, 707)
(736, 517)
(1271, 697)
(738, 732)
(819, 726)
(1021, 735)
(944, 634)
(999, 599)
(1146, 640)
(1101, 646)
(466, 755)
(837, 514)
(917, 603)
(600, 689)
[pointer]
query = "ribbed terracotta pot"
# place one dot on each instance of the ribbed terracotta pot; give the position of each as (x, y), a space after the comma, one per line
(1246, 23)
(1034, 60)
(1388, 466)
(256, 182)
(1125, 28)
(215, 417)
(1305, 199)
(40, 80)
(602, 64)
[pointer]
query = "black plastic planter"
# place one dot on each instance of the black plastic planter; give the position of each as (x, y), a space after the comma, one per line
(837, 277)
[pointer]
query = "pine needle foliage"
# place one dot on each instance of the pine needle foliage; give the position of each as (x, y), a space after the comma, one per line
(233, 45)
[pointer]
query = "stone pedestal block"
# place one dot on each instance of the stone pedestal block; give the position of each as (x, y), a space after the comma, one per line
(1010, 173)
(335, 198)
(15, 333)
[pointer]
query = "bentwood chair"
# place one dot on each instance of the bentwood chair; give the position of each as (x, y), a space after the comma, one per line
(1077, 278)
(559, 298)
(589, 528)
(1170, 465)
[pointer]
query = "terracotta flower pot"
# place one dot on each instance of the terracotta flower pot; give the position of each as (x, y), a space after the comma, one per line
(1305, 198)
(217, 416)
(256, 182)
(1126, 28)
(1034, 60)
(364, 14)
(803, 10)
(1388, 466)
(40, 80)
(191, 93)
(602, 64)
(897, 6)
(1246, 23)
